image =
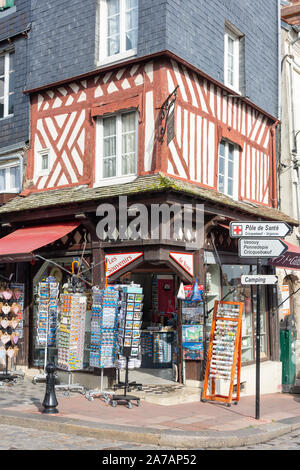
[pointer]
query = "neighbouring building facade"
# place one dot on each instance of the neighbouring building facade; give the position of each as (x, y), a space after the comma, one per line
(120, 108)
(288, 155)
(15, 23)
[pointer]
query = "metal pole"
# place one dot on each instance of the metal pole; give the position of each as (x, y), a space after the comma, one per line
(258, 303)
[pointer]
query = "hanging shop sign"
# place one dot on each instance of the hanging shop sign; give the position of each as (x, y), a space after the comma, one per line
(258, 248)
(185, 260)
(259, 229)
(254, 279)
(118, 261)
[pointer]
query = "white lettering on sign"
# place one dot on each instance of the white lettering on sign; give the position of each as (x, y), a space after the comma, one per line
(185, 260)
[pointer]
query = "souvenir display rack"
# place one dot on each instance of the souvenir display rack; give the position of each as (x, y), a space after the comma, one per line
(11, 326)
(157, 348)
(192, 324)
(129, 334)
(71, 334)
(103, 333)
(47, 319)
(224, 352)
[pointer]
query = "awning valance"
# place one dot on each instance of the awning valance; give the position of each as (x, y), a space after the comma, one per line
(21, 244)
(290, 259)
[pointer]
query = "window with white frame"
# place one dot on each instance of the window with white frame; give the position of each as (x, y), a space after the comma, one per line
(228, 169)
(232, 59)
(43, 162)
(7, 84)
(118, 23)
(117, 145)
(10, 179)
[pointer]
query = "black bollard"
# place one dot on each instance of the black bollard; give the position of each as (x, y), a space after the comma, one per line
(50, 402)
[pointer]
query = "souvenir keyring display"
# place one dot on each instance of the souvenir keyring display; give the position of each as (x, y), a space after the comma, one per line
(11, 321)
(224, 353)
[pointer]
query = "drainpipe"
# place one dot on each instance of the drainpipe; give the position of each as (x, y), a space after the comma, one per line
(21, 162)
(296, 159)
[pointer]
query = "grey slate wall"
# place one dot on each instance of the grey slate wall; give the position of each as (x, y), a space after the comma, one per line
(195, 31)
(62, 40)
(14, 130)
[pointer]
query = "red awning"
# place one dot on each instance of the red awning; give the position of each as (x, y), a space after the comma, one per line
(290, 259)
(20, 244)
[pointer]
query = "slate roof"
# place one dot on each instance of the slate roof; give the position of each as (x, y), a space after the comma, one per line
(141, 185)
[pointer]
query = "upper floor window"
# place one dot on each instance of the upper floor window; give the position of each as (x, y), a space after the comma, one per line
(10, 180)
(118, 29)
(228, 169)
(6, 4)
(117, 146)
(6, 84)
(232, 52)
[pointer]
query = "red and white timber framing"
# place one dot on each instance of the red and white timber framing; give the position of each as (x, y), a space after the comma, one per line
(63, 120)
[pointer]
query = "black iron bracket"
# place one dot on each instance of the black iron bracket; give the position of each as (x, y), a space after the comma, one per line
(165, 111)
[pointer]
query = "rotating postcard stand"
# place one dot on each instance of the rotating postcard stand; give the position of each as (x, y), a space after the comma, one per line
(71, 338)
(129, 334)
(125, 399)
(47, 320)
(103, 335)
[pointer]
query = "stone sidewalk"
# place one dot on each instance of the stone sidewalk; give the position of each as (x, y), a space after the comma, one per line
(189, 425)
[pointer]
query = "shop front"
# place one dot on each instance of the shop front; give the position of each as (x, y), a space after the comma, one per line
(63, 260)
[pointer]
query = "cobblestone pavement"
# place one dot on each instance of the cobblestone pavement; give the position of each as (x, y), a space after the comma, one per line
(290, 441)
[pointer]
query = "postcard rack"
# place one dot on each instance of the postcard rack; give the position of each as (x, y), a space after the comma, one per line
(224, 353)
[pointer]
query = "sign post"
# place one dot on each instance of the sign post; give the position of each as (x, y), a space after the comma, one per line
(258, 240)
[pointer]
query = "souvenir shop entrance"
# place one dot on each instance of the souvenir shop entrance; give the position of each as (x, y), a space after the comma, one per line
(172, 330)
(159, 334)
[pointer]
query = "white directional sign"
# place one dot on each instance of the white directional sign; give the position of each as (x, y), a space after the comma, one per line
(254, 279)
(259, 229)
(261, 248)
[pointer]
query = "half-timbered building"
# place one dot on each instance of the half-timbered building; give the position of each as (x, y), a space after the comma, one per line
(161, 130)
